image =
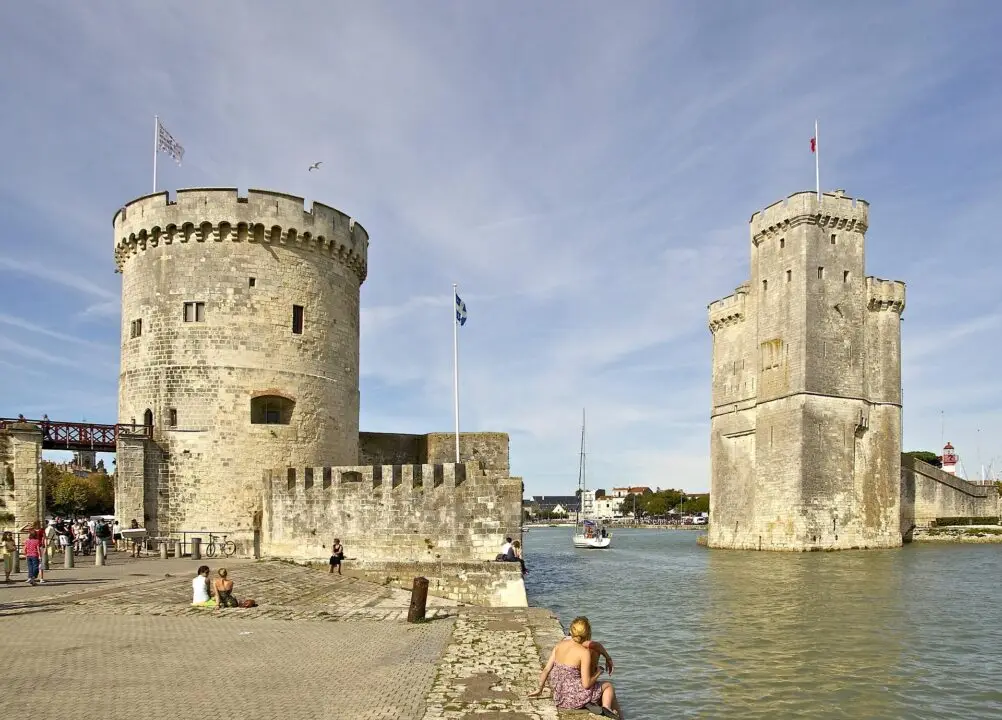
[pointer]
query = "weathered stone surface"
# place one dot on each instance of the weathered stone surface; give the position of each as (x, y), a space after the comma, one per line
(806, 419)
(928, 493)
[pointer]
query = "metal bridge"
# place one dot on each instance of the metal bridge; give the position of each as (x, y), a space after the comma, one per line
(57, 435)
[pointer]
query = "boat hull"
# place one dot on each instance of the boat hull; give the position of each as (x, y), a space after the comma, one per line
(585, 543)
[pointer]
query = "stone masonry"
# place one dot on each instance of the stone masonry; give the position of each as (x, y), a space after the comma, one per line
(806, 409)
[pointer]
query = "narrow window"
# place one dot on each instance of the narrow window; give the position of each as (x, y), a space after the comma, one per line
(845, 276)
(782, 243)
(172, 417)
(136, 328)
(194, 312)
(251, 282)
(789, 275)
(824, 349)
(833, 238)
(297, 319)
(765, 285)
(821, 273)
(271, 410)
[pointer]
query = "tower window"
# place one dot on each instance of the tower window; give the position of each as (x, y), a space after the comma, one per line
(136, 328)
(194, 312)
(789, 275)
(833, 238)
(782, 243)
(845, 276)
(297, 319)
(172, 417)
(821, 273)
(271, 410)
(765, 285)
(251, 282)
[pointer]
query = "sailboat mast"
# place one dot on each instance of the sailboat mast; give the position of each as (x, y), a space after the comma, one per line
(581, 468)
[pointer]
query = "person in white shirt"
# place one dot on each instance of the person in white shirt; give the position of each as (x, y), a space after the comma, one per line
(200, 588)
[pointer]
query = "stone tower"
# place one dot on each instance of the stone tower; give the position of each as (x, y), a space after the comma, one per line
(240, 343)
(806, 409)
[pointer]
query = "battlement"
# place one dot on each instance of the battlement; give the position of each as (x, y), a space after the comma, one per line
(885, 295)
(371, 477)
(222, 215)
(728, 310)
(836, 211)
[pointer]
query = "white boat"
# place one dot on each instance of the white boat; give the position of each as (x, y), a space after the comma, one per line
(588, 534)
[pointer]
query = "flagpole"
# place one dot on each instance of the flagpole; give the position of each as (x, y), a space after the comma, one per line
(455, 362)
(156, 134)
(817, 161)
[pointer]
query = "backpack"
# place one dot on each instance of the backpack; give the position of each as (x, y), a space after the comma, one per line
(103, 531)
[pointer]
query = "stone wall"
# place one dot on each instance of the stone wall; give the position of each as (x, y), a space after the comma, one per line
(24, 473)
(489, 584)
(489, 450)
(389, 513)
(806, 414)
(928, 493)
(6, 483)
(247, 261)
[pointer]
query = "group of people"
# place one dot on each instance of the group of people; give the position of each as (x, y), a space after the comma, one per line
(512, 552)
(215, 593)
(83, 535)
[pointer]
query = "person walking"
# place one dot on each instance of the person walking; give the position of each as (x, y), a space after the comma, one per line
(33, 554)
(8, 547)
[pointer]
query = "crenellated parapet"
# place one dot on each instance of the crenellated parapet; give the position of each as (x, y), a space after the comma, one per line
(729, 310)
(885, 295)
(221, 215)
(835, 212)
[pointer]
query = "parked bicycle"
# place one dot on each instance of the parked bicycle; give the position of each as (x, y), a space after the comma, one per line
(221, 545)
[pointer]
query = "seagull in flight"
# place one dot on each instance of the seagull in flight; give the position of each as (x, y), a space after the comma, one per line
(316, 166)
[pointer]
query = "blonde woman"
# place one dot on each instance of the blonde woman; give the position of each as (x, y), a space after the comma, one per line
(573, 673)
(223, 590)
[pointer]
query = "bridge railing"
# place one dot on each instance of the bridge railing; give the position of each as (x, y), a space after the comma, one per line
(77, 435)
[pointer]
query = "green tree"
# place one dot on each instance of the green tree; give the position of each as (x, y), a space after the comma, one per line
(73, 495)
(926, 456)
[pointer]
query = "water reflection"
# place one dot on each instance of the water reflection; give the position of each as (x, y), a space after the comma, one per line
(807, 635)
(697, 633)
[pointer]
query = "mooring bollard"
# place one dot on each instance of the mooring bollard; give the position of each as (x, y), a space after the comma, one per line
(419, 600)
(99, 555)
(163, 550)
(196, 548)
(68, 557)
(178, 549)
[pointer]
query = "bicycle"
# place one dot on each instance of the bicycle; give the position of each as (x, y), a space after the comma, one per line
(225, 547)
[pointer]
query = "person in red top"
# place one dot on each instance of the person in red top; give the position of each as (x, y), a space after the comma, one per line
(32, 552)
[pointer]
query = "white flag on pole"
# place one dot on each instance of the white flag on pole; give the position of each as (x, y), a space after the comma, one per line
(167, 144)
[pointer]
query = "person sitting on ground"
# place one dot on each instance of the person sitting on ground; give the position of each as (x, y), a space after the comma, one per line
(506, 550)
(223, 588)
(200, 588)
(8, 547)
(337, 555)
(573, 673)
(516, 551)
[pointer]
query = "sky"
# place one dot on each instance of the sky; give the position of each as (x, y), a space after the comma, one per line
(584, 170)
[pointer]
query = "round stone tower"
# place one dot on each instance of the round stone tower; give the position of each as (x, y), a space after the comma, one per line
(240, 320)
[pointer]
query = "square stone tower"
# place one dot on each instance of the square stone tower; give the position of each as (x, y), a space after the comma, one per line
(806, 411)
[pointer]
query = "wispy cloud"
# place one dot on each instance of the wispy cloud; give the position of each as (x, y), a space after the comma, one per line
(585, 172)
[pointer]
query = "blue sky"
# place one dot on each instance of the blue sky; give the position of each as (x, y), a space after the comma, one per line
(584, 170)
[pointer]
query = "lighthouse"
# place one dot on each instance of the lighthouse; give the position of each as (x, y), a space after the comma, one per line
(949, 459)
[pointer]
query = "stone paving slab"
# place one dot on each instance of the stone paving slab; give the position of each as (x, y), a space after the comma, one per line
(179, 668)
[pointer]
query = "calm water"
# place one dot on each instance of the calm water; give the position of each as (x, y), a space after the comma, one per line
(909, 633)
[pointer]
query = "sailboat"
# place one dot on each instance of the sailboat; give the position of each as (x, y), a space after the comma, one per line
(587, 534)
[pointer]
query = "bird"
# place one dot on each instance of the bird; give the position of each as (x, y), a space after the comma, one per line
(315, 166)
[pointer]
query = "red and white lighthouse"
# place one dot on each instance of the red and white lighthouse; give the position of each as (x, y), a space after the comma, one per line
(949, 459)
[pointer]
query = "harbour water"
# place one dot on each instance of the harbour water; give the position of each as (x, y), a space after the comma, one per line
(698, 633)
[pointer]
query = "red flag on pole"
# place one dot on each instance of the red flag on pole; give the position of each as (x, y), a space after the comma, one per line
(814, 144)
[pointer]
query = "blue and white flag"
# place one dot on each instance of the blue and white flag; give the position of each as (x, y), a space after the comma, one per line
(460, 310)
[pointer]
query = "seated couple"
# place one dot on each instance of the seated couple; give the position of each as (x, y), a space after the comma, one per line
(512, 552)
(217, 594)
(573, 674)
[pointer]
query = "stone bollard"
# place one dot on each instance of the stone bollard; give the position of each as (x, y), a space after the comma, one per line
(99, 555)
(68, 557)
(419, 600)
(163, 549)
(44, 561)
(17, 561)
(178, 549)
(196, 548)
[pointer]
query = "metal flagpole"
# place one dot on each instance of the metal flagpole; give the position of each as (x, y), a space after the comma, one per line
(817, 161)
(455, 360)
(156, 138)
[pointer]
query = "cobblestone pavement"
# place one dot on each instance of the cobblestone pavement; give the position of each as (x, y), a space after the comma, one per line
(180, 668)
